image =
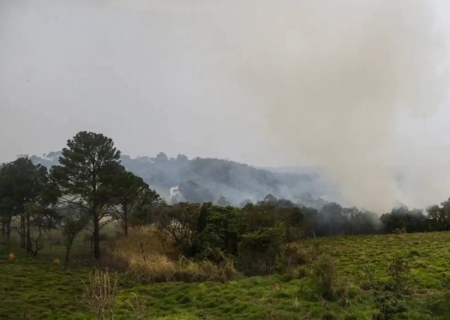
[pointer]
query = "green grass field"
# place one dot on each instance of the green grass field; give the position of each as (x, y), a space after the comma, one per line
(34, 288)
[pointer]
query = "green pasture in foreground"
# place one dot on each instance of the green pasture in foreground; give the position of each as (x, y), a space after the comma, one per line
(33, 288)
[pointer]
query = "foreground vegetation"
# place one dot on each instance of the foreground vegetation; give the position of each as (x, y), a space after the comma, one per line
(88, 239)
(35, 288)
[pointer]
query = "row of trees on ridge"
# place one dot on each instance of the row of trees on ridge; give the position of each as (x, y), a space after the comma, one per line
(90, 188)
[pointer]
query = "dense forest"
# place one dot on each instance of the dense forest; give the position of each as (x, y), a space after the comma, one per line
(92, 179)
(212, 180)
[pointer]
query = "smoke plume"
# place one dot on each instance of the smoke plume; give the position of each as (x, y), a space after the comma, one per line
(334, 77)
(260, 81)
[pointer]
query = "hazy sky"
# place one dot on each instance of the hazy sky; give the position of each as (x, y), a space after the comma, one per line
(138, 74)
(355, 85)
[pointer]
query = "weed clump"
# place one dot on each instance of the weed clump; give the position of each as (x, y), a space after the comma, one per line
(100, 294)
(388, 297)
(138, 306)
(367, 277)
(400, 272)
(325, 271)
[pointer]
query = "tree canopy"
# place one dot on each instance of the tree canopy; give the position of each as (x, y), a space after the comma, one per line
(84, 177)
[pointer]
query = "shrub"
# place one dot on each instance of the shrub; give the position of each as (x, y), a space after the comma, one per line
(138, 306)
(146, 241)
(389, 305)
(329, 316)
(367, 277)
(258, 250)
(148, 259)
(100, 294)
(399, 270)
(388, 297)
(325, 271)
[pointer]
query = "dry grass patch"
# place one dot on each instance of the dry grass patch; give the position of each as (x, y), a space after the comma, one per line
(151, 260)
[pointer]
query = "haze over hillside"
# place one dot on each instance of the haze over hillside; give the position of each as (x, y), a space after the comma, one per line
(357, 87)
(202, 180)
(207, 179)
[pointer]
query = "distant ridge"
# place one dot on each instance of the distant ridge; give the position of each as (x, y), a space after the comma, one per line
(209, 179)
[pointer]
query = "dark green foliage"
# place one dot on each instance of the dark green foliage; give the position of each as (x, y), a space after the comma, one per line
(389, 296)
(389, 305)
(131, 195)
(84, 177)
(22, 185)
(329, 316)
(226, 182)
(258, 250)
(399, 270)
(404, 219)
(219, 232)
(180, 223)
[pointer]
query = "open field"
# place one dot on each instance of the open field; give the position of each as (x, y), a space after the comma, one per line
(34, 288)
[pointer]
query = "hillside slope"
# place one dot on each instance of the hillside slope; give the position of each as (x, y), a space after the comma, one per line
(201, 180)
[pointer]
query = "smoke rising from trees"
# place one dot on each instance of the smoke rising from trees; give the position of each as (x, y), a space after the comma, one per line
(331, 83)
(332, 79)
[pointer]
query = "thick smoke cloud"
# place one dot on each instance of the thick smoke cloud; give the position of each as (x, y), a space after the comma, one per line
(334, 77)
(331, 80)
(321, 82)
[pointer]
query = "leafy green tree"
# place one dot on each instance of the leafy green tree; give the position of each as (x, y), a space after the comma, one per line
(84, 177)
(179, 223)
(21, 185)
(257, 251)
(218, 233)
(71, 229)
(37, 214)
(131, 193)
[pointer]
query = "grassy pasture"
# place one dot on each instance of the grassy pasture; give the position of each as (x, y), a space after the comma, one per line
(34, 288)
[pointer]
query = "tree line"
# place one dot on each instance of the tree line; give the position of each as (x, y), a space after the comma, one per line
(90, 187)
(206, 180)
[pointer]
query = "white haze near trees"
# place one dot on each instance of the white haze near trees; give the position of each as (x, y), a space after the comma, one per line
(358, 87)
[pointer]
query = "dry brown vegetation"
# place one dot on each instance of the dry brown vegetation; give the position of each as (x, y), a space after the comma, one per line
(151, 260)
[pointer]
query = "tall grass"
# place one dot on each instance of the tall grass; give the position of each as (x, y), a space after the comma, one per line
(150, 261)
(100, 294)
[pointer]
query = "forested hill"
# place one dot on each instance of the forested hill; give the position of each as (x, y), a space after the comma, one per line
(201, 180)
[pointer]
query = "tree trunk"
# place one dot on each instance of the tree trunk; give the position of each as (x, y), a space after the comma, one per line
(8, 234)
(22, 231)
(125, 219)
(68, 248)
(28, 233)
(96, 237)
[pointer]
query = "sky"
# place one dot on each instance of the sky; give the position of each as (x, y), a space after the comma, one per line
(356, 86)
(138, 76)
